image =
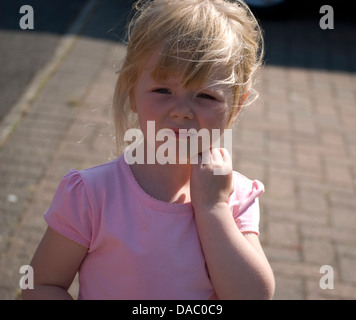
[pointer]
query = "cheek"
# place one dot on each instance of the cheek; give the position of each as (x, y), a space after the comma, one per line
(147, 113)
(216, 119)
(144, 108)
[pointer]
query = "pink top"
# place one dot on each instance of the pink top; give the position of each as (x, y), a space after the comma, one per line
(138, 247)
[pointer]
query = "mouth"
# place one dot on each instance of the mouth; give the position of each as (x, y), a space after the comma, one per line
(178, 133)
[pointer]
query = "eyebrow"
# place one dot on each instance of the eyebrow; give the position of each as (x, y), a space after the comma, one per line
(208, 86)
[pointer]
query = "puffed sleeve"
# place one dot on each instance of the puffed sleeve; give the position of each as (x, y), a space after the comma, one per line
(69, 213)
(244, 203)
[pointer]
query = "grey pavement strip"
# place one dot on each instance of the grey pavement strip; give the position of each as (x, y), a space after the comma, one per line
(11, 120)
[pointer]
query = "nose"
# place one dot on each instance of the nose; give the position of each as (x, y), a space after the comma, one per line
(181, 109)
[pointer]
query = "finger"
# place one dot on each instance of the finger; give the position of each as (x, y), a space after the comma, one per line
(225, 163)
(206, 157)
(216, 155)
(226, 155)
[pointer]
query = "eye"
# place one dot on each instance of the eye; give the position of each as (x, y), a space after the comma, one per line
(162, 91)
(206, 96)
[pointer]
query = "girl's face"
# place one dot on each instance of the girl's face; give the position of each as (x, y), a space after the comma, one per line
(171, 106)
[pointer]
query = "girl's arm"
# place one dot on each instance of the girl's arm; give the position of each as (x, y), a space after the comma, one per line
(237, 265)
(55, 264)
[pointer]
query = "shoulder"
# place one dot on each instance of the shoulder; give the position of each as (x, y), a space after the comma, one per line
(246, 191)
(244, 203)
(95, 183)
(102, 176)
(100, 173)
(246, 186)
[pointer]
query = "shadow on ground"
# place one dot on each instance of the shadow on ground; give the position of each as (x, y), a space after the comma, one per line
(293, 36)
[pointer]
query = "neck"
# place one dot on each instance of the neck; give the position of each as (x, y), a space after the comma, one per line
(169, 183)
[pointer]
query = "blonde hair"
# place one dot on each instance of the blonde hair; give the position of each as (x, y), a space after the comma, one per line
(195, 38)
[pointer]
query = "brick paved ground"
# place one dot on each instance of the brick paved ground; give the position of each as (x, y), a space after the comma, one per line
(300, 140)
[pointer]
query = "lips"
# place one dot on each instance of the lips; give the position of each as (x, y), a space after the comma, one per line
(177, 133)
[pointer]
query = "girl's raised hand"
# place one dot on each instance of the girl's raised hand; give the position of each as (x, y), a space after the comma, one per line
(211, 181)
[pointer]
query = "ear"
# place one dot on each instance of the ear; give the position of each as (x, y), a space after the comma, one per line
(236, 111)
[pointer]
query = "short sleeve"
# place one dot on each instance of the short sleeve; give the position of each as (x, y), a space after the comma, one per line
(244, 203)
(69, 213)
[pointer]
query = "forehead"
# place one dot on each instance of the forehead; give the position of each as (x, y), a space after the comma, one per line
(162, 68)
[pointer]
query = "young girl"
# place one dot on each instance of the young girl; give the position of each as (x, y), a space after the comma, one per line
(166, 231)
